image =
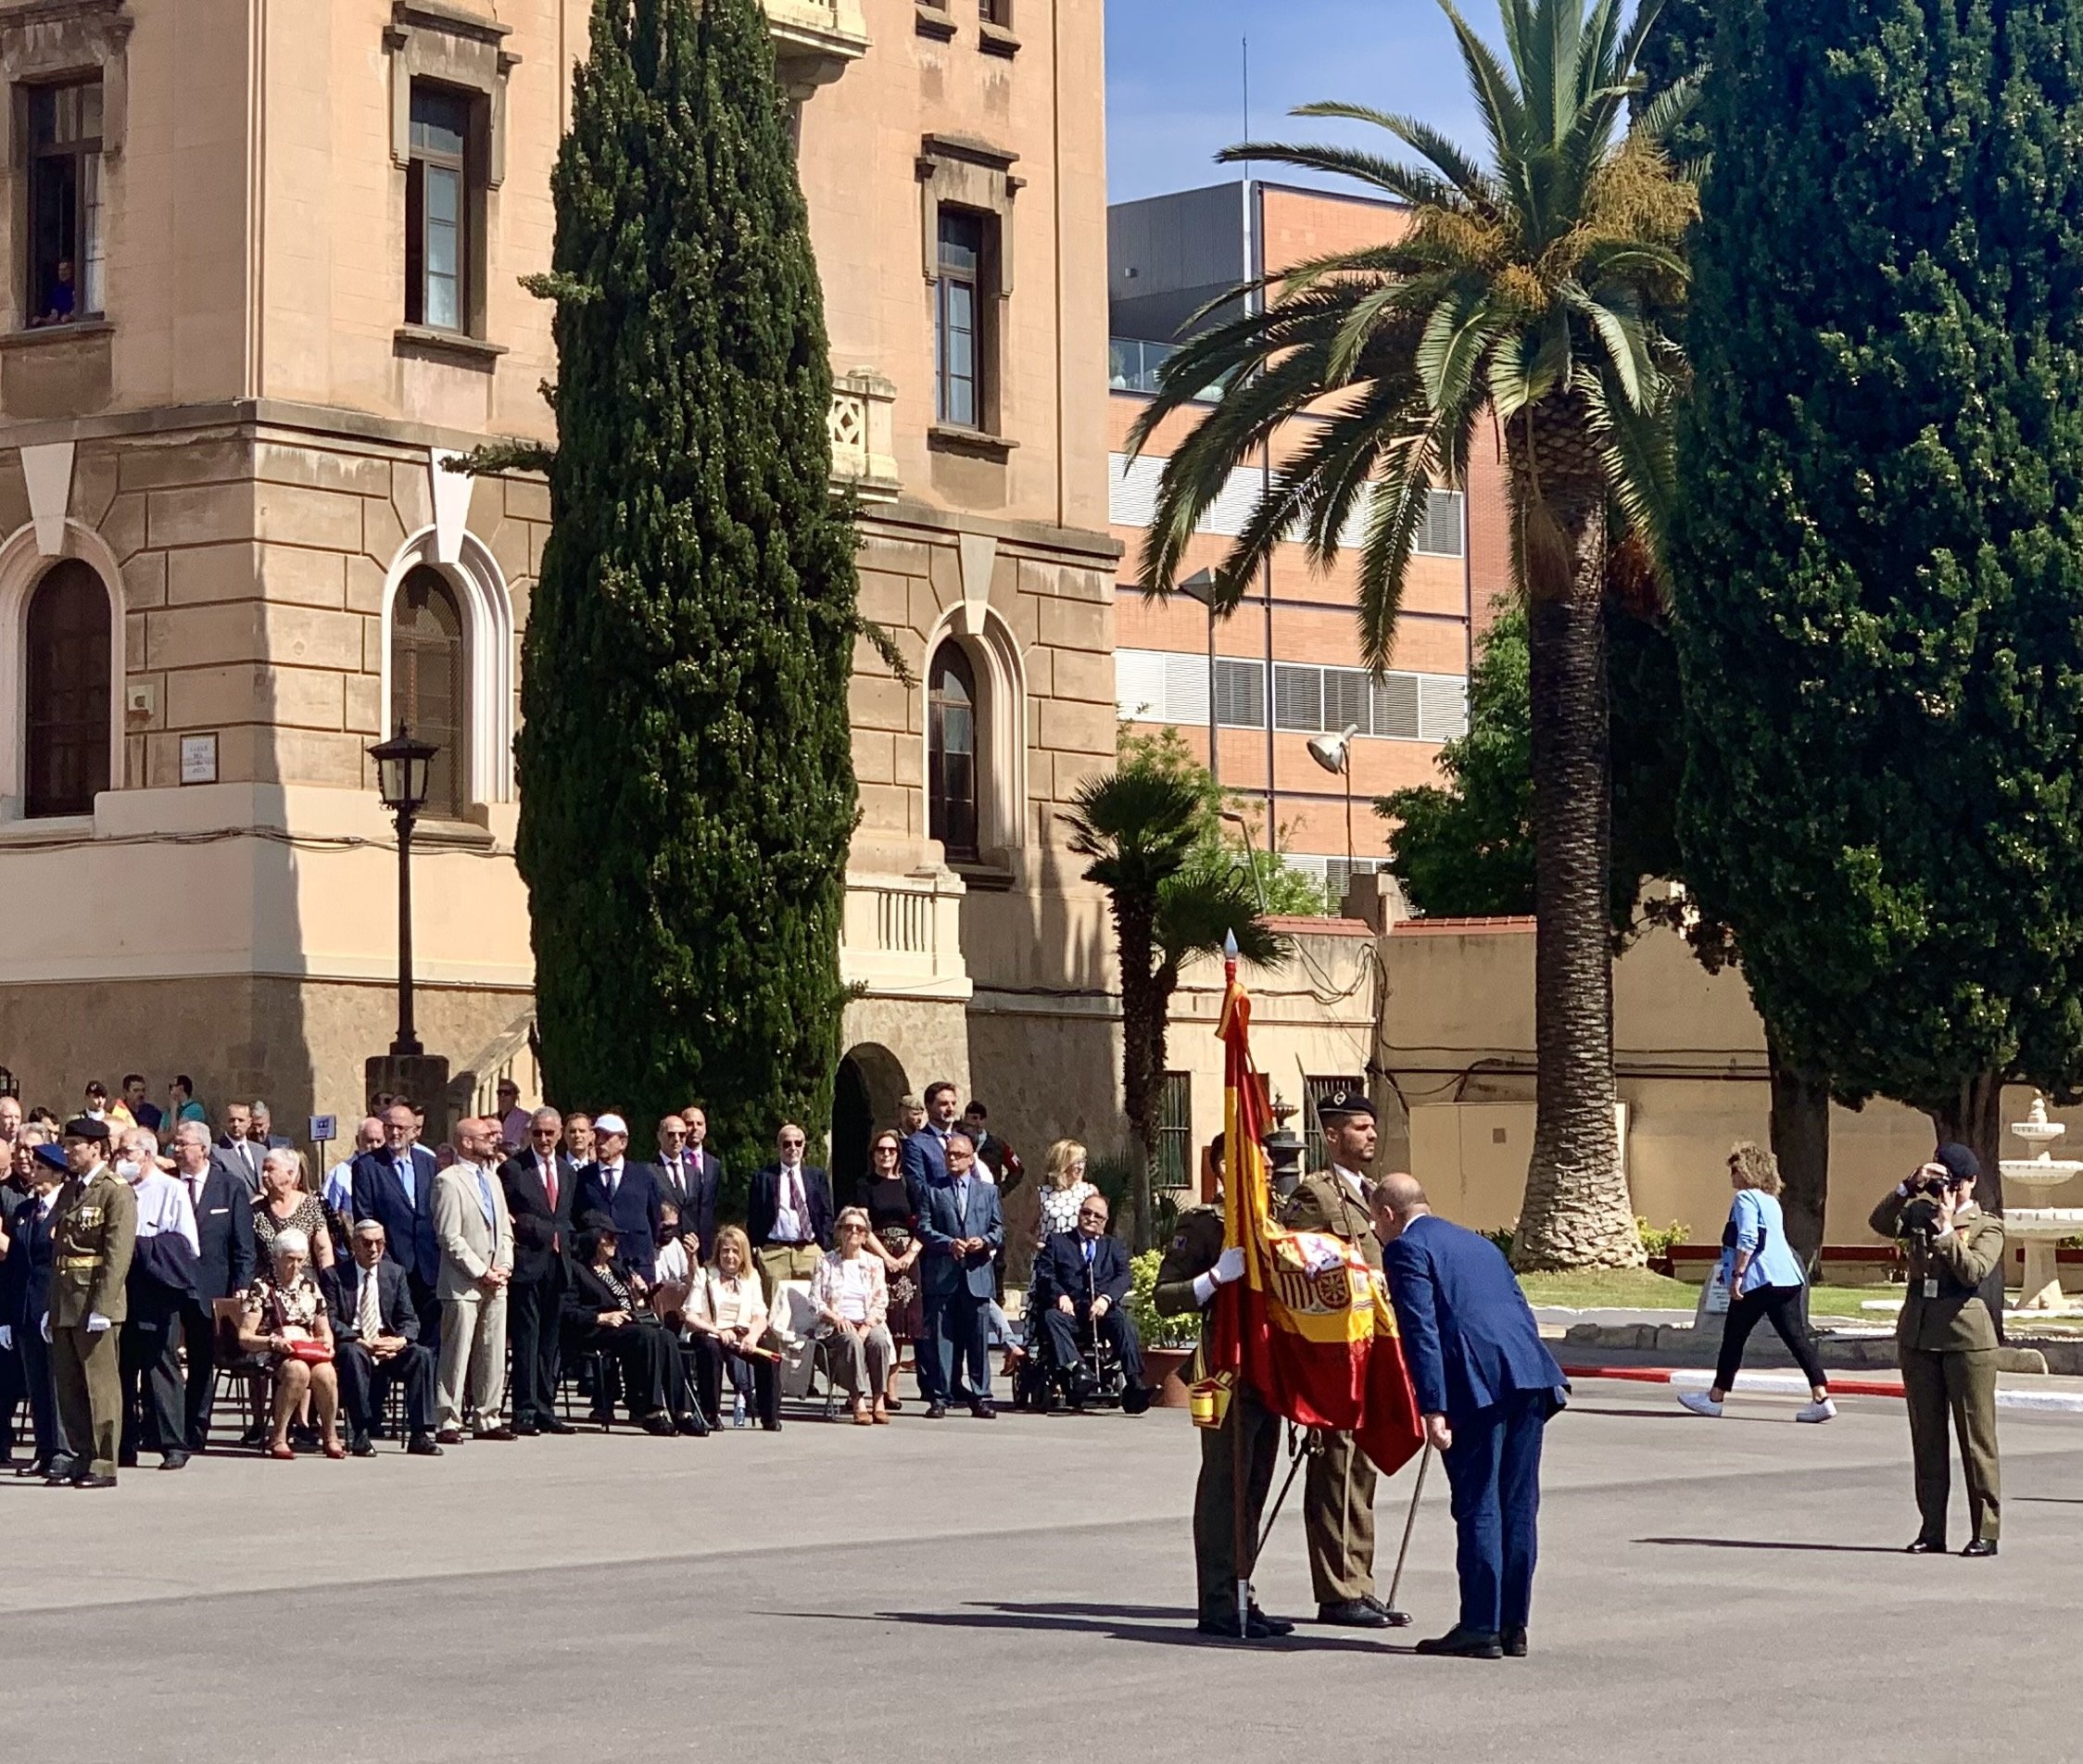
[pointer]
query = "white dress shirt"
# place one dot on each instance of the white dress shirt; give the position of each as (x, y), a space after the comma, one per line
(789, 1226)
(163, 1206)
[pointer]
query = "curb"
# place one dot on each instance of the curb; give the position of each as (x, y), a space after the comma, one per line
(1792, 1384)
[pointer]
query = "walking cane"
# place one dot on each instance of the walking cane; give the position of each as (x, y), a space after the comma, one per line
(1400, 1618)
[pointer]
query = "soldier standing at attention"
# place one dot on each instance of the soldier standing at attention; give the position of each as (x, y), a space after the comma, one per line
(1338, 1488)
(94, 1230)
(1195, 1268)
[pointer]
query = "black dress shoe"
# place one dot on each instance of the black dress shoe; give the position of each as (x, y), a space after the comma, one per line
(692, 1425)
(420, 1445)
(1926, 1546)
(935, 1410)
(983, 1411)
(1257, 1627)
(1394, 1618)
(1272, 1625)
(361, 1446)
(35, 1467)
(501, 1433)
(1515, 1644)
(1352, 1614)
(659, 1423)
(1981, 1546)
(554, 1424)
(174, 1461)
(526, 1429)
(772, 1427)
(1465, 1644)
(91, 1481)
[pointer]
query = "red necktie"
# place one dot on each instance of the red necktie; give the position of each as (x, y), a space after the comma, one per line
(550, 1188)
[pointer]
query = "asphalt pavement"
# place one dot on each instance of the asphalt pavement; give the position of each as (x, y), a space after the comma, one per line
(1022, 1588)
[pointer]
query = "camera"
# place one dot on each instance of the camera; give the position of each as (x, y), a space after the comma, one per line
(1931, 1185)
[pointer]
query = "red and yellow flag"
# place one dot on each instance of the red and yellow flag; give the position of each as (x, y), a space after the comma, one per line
(1308, 1327)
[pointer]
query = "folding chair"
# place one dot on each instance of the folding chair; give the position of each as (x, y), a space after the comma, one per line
(255, 1377)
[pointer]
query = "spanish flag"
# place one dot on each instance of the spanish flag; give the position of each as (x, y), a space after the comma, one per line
(1308, 1327)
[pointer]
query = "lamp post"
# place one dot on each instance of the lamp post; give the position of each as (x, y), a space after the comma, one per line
(1201, 585)
(1335, 753)
(402, 764)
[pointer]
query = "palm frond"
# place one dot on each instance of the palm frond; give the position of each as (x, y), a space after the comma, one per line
(1197, 914)
(1406, 183)
(1448, 157)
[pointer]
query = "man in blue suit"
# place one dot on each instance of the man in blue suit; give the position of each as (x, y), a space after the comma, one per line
(628, 1192)
(1082, 1276)
(924, 1157)
(962, 1228)
(1486, 1386)
(395, 1186)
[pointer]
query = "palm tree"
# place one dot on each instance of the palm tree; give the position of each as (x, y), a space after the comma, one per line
(1140, 827)
(1534, 292)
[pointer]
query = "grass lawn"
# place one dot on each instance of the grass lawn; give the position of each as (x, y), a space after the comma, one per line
(1638, 1290)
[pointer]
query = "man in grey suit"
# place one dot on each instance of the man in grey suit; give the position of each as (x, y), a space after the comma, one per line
(475, 1234)
(960, 1224)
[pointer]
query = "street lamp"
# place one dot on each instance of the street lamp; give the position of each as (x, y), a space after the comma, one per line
(402, 766)
(1335, 753)
(1202, 585)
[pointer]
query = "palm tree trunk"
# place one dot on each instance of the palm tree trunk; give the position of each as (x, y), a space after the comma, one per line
(1133, 922)
(1577, 1211)
(1975, 1120)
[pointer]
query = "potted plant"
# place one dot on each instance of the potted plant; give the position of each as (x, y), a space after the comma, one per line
(1168, 1341)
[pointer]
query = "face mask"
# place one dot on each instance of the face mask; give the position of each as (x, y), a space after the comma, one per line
(130, 1169)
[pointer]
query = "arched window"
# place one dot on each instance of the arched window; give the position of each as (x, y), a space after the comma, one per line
(68, 711)
(429, 683)
(951, 752)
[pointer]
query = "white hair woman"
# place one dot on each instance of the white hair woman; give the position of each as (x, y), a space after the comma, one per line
(853, 1299)
(282, 1318)
(284, 1203)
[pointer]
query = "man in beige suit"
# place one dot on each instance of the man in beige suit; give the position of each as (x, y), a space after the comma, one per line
(475, 1233)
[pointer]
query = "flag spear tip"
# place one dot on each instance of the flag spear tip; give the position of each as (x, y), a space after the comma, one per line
(1229, 946)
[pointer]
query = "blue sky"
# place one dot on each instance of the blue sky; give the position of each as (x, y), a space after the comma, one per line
(1175, 87)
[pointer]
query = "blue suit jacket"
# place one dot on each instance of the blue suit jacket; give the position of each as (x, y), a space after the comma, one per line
(946, 1210)
(922, 1159)
(409, 1236)
(25, 1276)
(224, 1229)
(634, 1211)
(1060, 1268)
(1468, 1335)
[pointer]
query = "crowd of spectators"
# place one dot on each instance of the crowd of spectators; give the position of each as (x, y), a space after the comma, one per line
(536, 1262)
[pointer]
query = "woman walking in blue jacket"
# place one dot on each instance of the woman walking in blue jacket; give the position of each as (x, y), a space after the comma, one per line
(1765, 1280)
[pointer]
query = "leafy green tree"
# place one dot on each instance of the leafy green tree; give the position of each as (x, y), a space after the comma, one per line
(1535, 290)
(686, 783)
(1879, 564)
(1139, 825)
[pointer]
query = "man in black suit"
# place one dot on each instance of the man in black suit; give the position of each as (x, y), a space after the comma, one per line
(627, 1192)
(702, 1181)
(377, 1344)
(788, 1214)
(540, 1185)
(25, 1285)
(395, 1186)
(261, 1130)
(1083, 1276)
(223, 1265)
(242, 1157)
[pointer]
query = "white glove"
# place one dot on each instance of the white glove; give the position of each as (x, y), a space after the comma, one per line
(6, 1338)
(1229, 1266)
(95, 1322)
(45, 1326)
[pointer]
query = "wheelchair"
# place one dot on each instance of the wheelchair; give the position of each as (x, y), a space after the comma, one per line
(1093, 1380)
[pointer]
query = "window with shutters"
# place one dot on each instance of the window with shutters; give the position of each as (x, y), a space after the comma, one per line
(1298, 697)
(1175, 1132)
(429, 683)
(66, 721)
(1240, 694)
(951, 753)
(1439, 536)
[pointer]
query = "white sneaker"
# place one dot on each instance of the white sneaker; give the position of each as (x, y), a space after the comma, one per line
(1700, 1403)
(1823, 1411)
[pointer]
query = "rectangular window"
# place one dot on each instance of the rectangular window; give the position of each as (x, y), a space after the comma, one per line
(438, 193)
(1314, 1157)
(997, 12)
(1439, 536)
(1298, 697)
(961, 320)
(1175, 1132)
(1240, 694)
(67, 259)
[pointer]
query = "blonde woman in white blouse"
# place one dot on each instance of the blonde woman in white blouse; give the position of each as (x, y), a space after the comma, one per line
(725, 1315)
(1063, 1190)
(853, 1299)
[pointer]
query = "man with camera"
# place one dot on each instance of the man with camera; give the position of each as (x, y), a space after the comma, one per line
(1945, 1342)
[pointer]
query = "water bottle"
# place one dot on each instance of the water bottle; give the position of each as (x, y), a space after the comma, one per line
(738, 1410)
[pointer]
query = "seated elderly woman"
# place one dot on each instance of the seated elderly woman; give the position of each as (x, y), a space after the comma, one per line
(605, 1312)
(853, 1299)
(282, 1319)
(726, 1317)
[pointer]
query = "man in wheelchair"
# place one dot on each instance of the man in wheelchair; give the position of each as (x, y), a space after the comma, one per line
(1078, 1320)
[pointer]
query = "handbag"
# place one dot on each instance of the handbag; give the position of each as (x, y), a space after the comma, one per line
(311, 1350)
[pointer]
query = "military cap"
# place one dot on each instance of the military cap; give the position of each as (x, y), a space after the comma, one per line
(52, 1154)
(86, 1127)
(1341, 1103)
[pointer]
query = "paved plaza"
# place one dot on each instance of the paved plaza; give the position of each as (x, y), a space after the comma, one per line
(1020, 1589)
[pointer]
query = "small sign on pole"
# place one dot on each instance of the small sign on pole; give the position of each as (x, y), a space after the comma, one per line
(322, 1128)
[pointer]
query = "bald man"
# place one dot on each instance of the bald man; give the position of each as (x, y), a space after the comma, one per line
(1486, 1386)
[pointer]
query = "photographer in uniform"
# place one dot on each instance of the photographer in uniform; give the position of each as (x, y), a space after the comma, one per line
(1946, 1341)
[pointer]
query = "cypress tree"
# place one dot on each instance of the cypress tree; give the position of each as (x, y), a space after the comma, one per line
(1880, 609)
(685, 761)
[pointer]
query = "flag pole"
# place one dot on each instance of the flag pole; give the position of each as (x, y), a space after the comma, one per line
(1240, 1521)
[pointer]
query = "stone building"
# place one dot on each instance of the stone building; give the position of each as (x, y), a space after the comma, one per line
(261, 278)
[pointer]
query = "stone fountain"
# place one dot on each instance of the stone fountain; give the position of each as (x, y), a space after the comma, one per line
(2040, 1228)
